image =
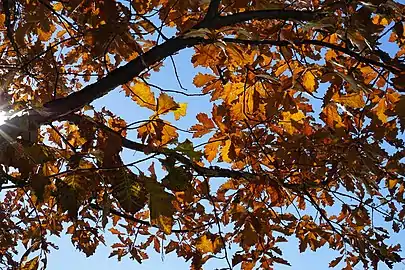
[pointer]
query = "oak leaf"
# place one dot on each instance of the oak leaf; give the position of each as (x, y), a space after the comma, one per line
(202, 79)
(165, 104)
(209, 243)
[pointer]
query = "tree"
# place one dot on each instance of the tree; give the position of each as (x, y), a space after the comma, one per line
(287, 168)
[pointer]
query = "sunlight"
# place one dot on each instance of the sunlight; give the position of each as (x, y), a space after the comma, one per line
(3, 117)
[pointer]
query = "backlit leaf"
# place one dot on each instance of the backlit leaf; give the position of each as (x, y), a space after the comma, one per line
(354, 100)
(202, 79)
(142, 94)
(160, 206)
(180, 111)
(209, 244)
(309, 81)
(165, 104)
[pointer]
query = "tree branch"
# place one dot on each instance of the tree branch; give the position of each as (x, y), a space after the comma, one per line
(59, 108)
(212, 10)
(212, 171)
(144, 222)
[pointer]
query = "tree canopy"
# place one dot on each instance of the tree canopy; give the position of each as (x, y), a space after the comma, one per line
(303, 137)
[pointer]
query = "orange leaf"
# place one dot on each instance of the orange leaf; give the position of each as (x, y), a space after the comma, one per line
(354, 100)
(114, 231)
(44, 36)
(331, 116)
(202, 79)
(206, 127)
(225, 153)
(380, 110)
(309, 81)
(211, 149)
(209, 244)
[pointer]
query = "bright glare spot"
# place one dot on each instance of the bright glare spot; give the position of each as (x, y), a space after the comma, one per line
(3, 117)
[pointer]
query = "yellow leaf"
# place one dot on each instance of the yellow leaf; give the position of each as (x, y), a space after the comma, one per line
(61, 33)
(354, 100)
(225, 151)
(165, 104)
(281, 69)
(289, 118)
(181, 111)
(331, 116)
(31, 264)
(211, 149)
(309, 81)
(232, 91)
(330, 54)
(58, 6)
(207, 244)
(380, 111)
(380, 20)
(392, 183)
(142, 94)
(168, 134)
(202, 79)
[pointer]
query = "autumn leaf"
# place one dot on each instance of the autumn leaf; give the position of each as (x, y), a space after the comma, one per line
(209, 243)
(302, 105)
(211, 149)
(232, 91)
(227, 151)
(202, 79)
(249, 235)
(32, 264)
(354, 100)
(38, 184)
(380, 111)
(289, 119)
(160, 206)
(165, 104)
(44, 36)
(309, 81)
(205, 127)
(335, 261)
(331, 116)
(180, 111)
(142, 94)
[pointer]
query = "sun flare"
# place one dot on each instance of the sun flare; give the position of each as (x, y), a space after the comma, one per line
(3, 117)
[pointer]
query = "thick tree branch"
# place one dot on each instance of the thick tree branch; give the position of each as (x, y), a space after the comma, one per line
(279, 14)
(212, 10)
(58, 108)
(126, 73)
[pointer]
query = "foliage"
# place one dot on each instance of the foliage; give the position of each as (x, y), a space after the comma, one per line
(306, 96)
